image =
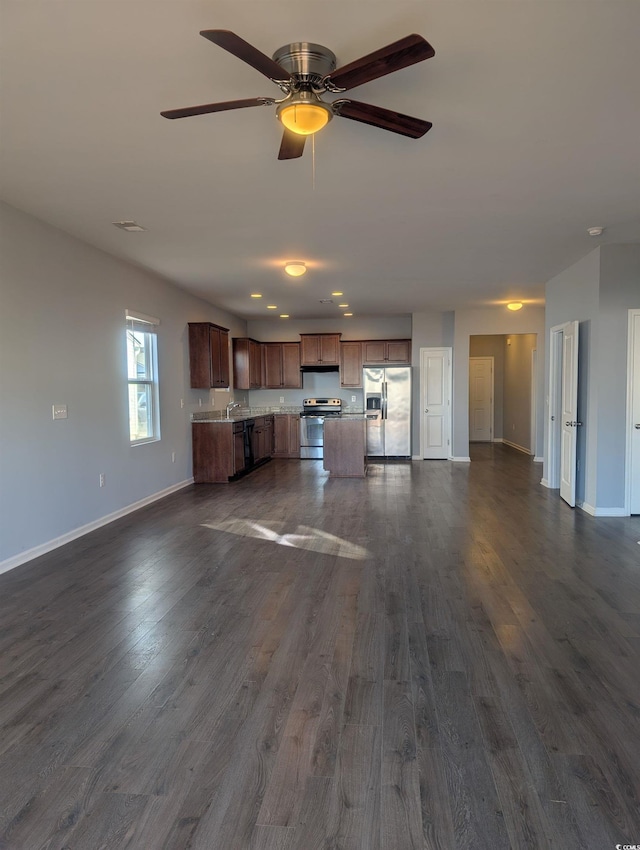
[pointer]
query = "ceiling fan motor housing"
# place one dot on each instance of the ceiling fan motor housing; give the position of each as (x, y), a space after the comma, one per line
(307, 63)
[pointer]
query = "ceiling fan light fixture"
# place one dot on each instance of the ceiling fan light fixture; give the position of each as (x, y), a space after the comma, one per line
(305, 115)
(295, 268)
(514, 305)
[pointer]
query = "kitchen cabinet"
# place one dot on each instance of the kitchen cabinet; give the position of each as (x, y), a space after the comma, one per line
(247, 364)
(208, 355)
(286, 435)
(224, 451)
(320, 349)
(390, 351)
(345, 447)
(282, 365)
(262, 438)
(350, 364)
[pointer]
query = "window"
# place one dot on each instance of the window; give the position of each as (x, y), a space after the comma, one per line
(142, 377)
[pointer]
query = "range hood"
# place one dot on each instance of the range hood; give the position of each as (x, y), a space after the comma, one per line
(318, 367)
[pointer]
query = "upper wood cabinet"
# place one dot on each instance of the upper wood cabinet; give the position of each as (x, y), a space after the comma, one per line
(282, 365)
(208, 355)
(375, 351)
(247, 364)
(320, 349)
(350, 364)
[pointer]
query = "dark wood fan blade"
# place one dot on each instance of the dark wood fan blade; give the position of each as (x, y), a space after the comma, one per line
(292, 145)
(407, 51)
(216, 107)
(396, 122)
(247, 52)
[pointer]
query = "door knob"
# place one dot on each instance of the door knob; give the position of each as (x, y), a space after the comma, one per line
(568, 424)
(426, 410)
(638, 426)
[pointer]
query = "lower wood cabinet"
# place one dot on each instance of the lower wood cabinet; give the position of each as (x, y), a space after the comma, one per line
(223, 451)
(286, 435)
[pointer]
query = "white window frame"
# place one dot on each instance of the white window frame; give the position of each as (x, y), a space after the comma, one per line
(137, 322)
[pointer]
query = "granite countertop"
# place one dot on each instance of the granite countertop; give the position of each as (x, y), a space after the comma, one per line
(240, 414)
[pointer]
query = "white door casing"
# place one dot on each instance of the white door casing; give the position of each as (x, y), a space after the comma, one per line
(569, 413)
(633, 414)
(481, 399)
(435, 401)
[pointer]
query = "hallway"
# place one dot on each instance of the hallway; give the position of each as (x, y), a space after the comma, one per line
(440, 656)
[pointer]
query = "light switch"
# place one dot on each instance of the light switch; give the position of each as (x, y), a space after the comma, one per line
(59, 411)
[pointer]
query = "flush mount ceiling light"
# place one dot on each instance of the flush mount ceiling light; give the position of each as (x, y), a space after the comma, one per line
(129, 226)
(595, 231)
(514, 305)
(295, 268)
(305, 114)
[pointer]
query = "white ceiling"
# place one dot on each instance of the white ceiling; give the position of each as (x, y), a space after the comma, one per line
(536, 113)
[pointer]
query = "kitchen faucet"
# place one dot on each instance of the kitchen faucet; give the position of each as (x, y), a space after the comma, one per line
(230, 407)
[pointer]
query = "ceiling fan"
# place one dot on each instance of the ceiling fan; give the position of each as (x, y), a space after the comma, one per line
(305, 71)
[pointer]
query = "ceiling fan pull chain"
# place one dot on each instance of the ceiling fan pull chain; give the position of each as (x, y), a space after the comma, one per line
(313, 162)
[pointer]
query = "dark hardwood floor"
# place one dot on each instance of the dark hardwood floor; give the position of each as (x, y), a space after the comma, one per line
(437, 656)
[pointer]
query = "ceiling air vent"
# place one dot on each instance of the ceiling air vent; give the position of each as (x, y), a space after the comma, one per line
(326, 301)
(130, 226)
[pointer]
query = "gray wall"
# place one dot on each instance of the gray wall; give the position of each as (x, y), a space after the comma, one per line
(62, 341)
(573, 295)
(598, 291)
(431, 329)
(517, 389)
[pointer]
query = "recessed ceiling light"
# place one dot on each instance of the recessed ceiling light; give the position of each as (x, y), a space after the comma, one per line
(284, 315)
(129, 226)
(343, 305)
(295, 268)
(514, 305)
(348, 314)
(272, 306)
(337, 294)
(256, 295)
(595, 231)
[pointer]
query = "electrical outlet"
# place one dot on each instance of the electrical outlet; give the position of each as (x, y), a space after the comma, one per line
(173, 457)
(199, 402)
(59, 411)
(181, 402)
(281, 399)
(353, 398)
(101, 479)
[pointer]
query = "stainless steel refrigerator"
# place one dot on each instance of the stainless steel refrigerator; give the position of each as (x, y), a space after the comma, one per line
(387, 401)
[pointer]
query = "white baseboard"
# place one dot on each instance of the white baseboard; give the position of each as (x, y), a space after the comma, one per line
(593, 511)
(43, 548)
(516, 446)
(537, 459)
(545, 483)
(416, 457)
(460, 459)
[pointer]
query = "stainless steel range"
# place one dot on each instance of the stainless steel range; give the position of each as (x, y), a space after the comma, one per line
(314, 411)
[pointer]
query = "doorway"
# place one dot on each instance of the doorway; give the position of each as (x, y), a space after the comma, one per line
(481, 393)
(435, 403)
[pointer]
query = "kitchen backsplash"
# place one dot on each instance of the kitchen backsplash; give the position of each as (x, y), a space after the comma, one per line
(314, 385)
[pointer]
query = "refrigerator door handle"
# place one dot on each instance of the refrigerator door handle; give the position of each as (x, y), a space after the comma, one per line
(384, 399)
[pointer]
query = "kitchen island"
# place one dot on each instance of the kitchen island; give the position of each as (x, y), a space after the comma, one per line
(345, 446)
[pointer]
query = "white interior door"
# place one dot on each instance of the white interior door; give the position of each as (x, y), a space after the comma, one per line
(569, 422)
(481, 399)
(435, 397)
(634, 407)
